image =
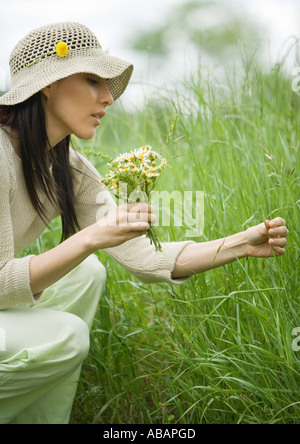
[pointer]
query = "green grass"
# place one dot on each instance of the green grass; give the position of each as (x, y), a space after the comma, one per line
(219, 348)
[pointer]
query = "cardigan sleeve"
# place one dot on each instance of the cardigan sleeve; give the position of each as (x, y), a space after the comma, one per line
(14, 273)
(138, 256)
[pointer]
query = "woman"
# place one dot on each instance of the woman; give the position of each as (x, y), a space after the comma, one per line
(62, 83)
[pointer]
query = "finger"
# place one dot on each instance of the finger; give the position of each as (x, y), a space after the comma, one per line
(142, 217)
(136, 206)
(278, 242)
(278, 251)
(138, 226)
(139, 207)
(280, 231)
(277, 222)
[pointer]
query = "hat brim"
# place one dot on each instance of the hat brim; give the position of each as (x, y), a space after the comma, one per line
(117, 72)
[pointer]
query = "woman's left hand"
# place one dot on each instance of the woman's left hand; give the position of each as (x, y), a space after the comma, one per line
(267, 239)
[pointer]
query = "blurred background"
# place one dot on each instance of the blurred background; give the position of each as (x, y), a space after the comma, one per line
(166, 39)
(218, 349)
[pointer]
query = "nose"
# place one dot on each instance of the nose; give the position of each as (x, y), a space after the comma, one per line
(106, 97)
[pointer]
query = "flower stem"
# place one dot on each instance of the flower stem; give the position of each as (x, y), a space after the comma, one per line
(154, 238)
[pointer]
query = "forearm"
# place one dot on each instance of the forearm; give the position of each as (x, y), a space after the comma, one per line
(49, 267)
(199, 257)
(120, 225)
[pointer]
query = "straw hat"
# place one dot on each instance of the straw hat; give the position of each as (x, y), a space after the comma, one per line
(56, 51)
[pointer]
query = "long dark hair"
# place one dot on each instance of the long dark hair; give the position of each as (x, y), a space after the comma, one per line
(47, 169)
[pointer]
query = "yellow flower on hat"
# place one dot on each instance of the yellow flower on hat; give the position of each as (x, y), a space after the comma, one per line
(62, 49)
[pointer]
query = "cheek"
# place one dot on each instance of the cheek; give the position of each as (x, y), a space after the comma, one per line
(71, 105)
(69, 108)
(72, 97)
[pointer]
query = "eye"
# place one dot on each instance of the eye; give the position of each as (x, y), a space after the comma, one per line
(92, 81)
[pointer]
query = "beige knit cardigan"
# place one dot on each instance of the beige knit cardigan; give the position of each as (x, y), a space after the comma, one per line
(20, 226)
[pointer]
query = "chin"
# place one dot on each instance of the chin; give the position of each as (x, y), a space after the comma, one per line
(85, 135)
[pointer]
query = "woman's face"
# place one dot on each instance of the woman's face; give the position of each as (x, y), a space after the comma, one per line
(75, 105)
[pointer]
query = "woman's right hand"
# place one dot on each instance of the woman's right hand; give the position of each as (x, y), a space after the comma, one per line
(125, 222)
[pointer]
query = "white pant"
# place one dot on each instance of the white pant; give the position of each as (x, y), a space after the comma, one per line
(45, 347)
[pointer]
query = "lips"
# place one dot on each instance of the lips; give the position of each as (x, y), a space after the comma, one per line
(98, 116)
(96, 119)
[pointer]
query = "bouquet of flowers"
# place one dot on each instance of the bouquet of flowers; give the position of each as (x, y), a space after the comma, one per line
(134, 174)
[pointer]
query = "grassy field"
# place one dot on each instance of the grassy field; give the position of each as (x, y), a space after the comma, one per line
(217, 349)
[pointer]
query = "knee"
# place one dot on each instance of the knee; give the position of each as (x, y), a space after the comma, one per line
(51, 343)
(67, 347)
(75, 340)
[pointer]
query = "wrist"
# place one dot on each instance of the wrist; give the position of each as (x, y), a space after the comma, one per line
(237, 244)
(89, 239)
